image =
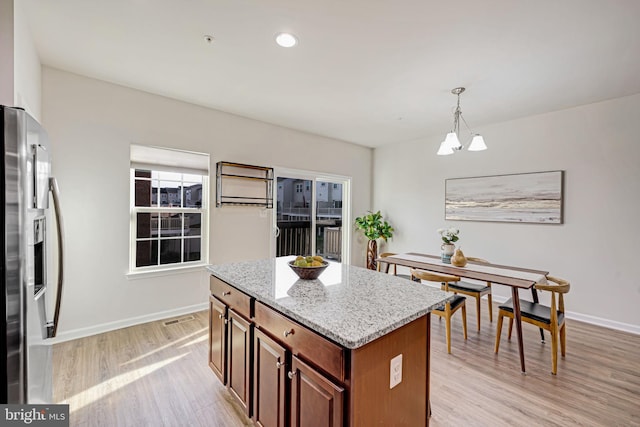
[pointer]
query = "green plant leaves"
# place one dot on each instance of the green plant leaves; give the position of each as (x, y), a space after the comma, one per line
(374, 227)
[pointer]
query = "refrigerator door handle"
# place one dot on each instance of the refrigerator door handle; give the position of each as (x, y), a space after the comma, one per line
(55, 192)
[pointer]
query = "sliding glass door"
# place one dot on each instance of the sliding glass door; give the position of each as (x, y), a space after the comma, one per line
(328, 215)
(310, 212)
(293, 216)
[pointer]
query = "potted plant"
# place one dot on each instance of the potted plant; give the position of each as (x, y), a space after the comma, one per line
(374, 228)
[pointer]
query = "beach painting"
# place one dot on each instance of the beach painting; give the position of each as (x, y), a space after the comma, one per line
(526, 198)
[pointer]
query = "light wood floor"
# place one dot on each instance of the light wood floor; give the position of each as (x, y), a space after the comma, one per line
(155, 375)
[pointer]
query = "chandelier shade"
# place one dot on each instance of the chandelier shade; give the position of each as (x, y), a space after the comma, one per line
(452, 143)
(444, 150)
(477, 144)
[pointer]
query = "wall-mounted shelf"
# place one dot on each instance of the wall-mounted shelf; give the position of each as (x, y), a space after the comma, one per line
(243, 185)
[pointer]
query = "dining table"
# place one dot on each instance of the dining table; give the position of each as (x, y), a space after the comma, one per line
(515, 277)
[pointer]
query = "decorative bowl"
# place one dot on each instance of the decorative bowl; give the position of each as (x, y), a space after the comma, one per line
(308, 273)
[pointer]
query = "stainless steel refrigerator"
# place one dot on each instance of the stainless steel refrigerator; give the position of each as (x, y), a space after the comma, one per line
(31, 243)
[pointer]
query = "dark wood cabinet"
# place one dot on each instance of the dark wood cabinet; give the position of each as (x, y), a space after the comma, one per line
(286, 374)
(315, 400)
(316, 366)
(239, 359)
(218, 338)
(230, 340)
(302, 341)
(270, 382)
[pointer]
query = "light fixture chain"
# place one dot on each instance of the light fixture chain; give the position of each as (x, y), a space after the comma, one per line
(465, 123)
(456, 118)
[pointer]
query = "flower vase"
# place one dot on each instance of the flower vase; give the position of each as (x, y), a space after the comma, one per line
(447, 251)
(372, 254)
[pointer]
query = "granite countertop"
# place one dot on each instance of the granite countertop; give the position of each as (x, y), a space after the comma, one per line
(349, 305)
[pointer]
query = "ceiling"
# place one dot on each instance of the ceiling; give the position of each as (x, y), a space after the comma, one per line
(371, 72)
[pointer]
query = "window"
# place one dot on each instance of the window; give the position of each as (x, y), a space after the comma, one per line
(168, 210)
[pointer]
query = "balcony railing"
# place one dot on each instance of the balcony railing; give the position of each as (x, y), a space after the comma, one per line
(169, 226)
(294, 238)
(332, 244)
(298, 214)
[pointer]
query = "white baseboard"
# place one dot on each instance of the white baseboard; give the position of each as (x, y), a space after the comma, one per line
(106, 327)
(605, 323)
(586, 318)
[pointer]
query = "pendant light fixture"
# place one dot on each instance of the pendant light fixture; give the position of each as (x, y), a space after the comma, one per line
(451, 142)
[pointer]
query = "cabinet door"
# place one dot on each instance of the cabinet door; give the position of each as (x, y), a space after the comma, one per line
(315, 401)
(217, 338)
(239, 359)
(269, 384)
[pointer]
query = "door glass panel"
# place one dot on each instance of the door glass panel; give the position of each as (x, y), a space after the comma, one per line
(143, 190)
(144, 224)
(146, 253)
(170, 251)
(170, 194)
(171, 225)
(329, 220)
(192, 223)
(192, 249)
(293, 210)
(192, 195)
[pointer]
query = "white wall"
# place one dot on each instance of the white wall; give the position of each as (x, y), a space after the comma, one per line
(91, 125)
(19, 62)
(6, 52)
(597, 247)
(27, 78)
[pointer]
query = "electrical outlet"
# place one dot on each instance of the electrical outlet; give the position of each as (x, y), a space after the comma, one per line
(395, 376)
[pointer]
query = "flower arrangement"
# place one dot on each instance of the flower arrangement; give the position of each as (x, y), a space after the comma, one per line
(449, 235)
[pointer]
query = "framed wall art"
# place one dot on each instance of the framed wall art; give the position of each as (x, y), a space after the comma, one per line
(535, 197)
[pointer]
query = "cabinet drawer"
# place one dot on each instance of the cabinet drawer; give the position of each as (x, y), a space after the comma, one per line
(238, 301)
(301, 341)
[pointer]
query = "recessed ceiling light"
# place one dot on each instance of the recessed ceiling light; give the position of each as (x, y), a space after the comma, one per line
(286, 39)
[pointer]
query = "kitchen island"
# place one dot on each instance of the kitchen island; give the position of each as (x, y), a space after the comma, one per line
(349, 348)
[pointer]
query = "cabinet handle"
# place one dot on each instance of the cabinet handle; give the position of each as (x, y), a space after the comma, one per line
(291, 375)
(279, 364)
(225, 293)
(220, 316)
(287, 333)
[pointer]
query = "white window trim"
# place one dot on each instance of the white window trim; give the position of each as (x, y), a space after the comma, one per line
(165, 269)
(182, 269)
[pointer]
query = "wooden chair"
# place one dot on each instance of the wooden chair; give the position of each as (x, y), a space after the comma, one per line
(384, 266)
(542, 316)
(474, 290)
(447, 309)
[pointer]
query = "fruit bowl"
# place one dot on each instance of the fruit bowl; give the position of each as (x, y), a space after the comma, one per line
(308, 273)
